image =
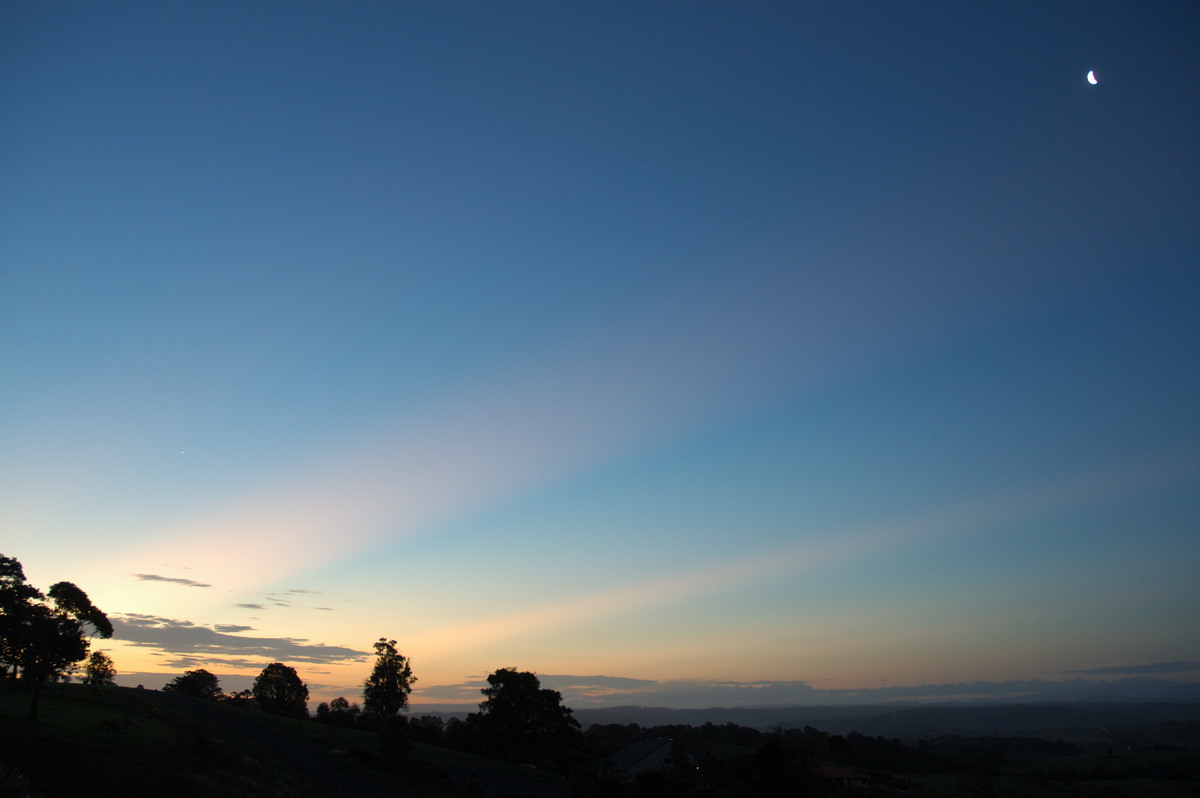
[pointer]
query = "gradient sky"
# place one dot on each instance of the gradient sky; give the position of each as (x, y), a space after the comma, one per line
(831, 345)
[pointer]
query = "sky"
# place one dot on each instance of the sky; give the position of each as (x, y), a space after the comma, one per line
(726, 345)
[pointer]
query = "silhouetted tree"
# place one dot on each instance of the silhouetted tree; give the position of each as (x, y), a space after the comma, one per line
(99, 669)
(428, 729)
(198, 684)
(522, 721)
(40, 636)
(74, 602)
(386, 690)
(339, 712)
(278, 690)
(244, 698)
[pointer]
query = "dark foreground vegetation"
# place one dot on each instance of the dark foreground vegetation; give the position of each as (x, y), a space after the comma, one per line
(192, 740)
(100, 741)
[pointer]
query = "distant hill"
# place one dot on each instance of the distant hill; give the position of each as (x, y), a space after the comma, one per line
(911, 722)
(967, 708)
(704, 696)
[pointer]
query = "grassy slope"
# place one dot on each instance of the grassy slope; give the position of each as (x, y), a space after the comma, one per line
(109, 742)
(100, 742)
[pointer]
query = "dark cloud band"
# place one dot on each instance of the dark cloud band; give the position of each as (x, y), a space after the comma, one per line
(185, 639)
(1131, 670)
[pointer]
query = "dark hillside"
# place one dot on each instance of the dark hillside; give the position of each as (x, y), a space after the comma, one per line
(125, 742)
(114, 742)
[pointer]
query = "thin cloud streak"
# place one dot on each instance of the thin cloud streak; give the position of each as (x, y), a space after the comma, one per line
(169, 579)
(1151, 668)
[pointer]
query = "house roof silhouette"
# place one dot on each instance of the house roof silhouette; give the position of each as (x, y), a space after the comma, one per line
(642, 755)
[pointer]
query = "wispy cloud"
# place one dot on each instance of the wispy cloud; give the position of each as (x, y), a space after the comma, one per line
(810, 552)
(598, 691)
(250, 606)
(1151, 668)
(186, 640)
(593, 692)
(174, 580)
(286, 602)
(595, 686)
(209, 663)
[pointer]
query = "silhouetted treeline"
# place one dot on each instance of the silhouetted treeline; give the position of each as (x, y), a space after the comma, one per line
(727, 759)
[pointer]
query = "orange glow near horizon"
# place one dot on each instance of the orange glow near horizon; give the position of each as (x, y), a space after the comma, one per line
(806, 556)
(443, 654)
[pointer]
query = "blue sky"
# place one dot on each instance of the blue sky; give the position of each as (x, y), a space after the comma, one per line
(823, 343)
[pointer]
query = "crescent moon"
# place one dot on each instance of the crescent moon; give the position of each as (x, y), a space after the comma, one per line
(1092, 77)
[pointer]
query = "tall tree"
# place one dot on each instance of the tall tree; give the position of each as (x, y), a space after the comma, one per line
(198, 684)
(42, 637)
(386, 690)
(99, 669)
(17, 598)
(278, 690)
(521, 720)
